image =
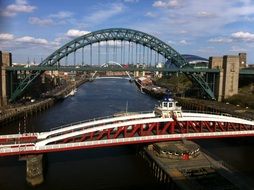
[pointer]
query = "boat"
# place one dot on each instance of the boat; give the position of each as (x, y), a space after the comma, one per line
(72, 93)
(168, 108)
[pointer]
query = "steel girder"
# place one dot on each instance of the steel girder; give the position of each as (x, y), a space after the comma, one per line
(115, 34)
(154, 129)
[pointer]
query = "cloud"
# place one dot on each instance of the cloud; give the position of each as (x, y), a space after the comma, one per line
(41, 22)
(237, 49)
(234, 37)
(62, 15)
(221, 40)
(32, 40)
(20, 6)
(204, 14)
(105, 13)
(73, 33)
(243, 36)
(168, 4)
(6, 37)
(131, 1)
(184, 42)
(150, 14)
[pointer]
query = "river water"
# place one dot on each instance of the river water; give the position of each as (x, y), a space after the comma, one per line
(104, 168)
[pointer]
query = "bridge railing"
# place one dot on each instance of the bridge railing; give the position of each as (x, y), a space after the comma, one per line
(216, 113)
(99, 118)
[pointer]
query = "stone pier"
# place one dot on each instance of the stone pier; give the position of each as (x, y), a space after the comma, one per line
(228, 78)
(5, 61)
(34, 169)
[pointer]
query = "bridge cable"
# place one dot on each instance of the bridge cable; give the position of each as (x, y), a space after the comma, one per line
(132, 52)
(143, 54)
(129, 53)
(91, 54)
(147, 56)
(106, 51)
(151, 57)
(158, 57)
(116, 51)
(82, 56)
(74, 58)
(121, 52)
(136, 53)
(139, 56)
(66, 60)
(99, 54)
(155, 57)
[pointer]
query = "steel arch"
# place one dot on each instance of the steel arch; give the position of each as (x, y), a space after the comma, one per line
(111, 62)
(122, 34)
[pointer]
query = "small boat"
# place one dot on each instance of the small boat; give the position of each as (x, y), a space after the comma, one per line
(168, 108)
(72, 93)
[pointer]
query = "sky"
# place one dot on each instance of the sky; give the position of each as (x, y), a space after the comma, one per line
(34, 28)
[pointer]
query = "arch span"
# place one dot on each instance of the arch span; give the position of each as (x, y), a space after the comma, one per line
(115, 63)
(122, 34)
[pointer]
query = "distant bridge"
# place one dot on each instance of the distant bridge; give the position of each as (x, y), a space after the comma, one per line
(109, 77)
(148, 48)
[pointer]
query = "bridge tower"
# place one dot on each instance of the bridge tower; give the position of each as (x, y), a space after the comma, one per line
(228, 78)
(5, 61)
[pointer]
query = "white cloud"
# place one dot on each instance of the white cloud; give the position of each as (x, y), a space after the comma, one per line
(168, 4)
(243, 36)
(171, 42)
(105, 13)
(237, 49)
(20, 6)
(183, 32)
(220, 40)
(39, 21)
(32, 40)
(184, 42)
(61, 15)
(151, 14)
(204, 14)
(6, 36)
(73, 33)
(131, 1)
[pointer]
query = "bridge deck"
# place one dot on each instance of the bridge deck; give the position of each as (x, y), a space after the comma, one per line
(126, 129)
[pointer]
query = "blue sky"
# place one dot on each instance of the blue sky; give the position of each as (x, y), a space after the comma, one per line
(36, 28)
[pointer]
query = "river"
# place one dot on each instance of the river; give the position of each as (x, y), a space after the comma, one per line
(104, 168)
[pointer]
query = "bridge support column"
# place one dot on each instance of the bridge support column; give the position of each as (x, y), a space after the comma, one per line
(34, 169)
(5, 61)
(228, 79)
(219, 86)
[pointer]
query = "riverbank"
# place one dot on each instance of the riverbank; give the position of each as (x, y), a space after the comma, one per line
(200, 104)
(214, 106)
(20, 111)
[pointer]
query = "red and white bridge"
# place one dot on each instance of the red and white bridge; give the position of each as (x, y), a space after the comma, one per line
(166, 122)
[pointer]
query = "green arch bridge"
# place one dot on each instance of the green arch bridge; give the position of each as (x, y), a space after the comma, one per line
(113, 34)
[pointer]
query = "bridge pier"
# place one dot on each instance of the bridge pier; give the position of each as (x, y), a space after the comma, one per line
(228, 78)
(5, 61)
(34, 169)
